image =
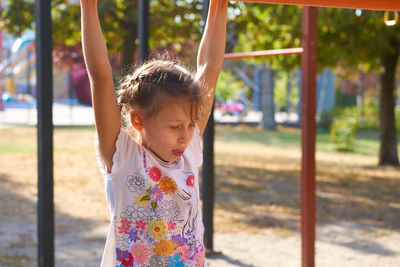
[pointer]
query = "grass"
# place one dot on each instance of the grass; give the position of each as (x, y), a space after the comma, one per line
(366, 142)
(24, 139)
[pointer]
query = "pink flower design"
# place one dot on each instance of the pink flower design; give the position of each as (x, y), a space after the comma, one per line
(171, 225)
(140, 253)
(199, 258)
(184, 251)
(155, 174)
(141, 224)
(125, 225)
(190, 180)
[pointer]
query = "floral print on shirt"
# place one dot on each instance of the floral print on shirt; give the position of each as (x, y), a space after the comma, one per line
(151, 231)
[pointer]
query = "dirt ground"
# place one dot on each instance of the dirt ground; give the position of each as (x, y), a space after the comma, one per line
(257, 212)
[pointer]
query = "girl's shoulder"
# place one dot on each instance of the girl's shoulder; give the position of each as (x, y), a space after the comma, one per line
(126, 150)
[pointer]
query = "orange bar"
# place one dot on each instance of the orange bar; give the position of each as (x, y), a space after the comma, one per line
(265, 53)
(393, 5)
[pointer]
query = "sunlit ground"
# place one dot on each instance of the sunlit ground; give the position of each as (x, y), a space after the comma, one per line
(257, 187)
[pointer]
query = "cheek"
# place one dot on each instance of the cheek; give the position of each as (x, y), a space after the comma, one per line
(166, 137)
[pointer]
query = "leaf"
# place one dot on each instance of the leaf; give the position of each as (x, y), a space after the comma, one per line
(145, 198)
(154, 205)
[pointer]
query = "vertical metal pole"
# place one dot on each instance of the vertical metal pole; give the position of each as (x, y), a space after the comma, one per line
(308, 131)
(45, 133)
(143, 30)
(208, 171)
(208, 183)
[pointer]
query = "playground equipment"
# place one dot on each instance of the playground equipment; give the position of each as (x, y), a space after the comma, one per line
(386, 5)
(18, 75)
(308, 100)
(308, 109)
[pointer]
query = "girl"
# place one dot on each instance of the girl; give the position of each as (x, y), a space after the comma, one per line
(151, 180)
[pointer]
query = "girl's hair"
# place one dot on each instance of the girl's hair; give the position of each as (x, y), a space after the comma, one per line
(146, 87)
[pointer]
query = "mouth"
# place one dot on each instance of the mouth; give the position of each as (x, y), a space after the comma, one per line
(178, 152)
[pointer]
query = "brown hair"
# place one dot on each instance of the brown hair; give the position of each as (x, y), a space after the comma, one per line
(145, 87)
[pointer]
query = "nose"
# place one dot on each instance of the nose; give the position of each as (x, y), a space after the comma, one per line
(183, 136)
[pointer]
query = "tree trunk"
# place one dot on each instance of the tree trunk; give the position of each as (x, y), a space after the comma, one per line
(388, 150)
(267, 99)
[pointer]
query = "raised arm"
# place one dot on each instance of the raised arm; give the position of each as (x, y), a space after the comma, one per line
(211, 54)
(106, 109)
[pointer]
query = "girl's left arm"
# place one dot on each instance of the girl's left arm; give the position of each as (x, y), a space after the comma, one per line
(211, 55)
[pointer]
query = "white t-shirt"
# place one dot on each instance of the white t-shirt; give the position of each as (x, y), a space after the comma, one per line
(155, 207)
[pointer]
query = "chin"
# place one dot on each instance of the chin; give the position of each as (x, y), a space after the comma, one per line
(174, 158)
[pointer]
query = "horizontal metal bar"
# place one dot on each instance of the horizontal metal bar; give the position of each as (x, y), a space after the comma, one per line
(265, 53)
(393, 5)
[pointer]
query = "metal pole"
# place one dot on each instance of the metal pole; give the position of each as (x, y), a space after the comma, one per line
(45, 133)
(264, 53)
(308, 131)
(208, 171)
(208, 183)
(143, 30)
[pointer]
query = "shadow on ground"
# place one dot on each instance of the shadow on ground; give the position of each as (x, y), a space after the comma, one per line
(270, 199)
(227, 259)
(75, 243)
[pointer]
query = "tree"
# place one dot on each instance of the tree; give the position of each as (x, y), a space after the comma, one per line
(354, 41)
(344, 38)
(170, 23)
(365, 40)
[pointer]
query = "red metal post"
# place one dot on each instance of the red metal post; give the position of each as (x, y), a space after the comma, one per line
(308, 132)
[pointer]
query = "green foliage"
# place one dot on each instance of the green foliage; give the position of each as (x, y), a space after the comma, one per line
(280, 91)
(344, 100)
(175, 22)
(170, 22)
(18, 16)
(343, 37)
(343, 129)
(282, 97)
(265, 26)
(369, 117)
(228, 86)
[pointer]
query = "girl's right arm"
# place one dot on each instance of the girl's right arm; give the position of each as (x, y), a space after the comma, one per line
(104, 100)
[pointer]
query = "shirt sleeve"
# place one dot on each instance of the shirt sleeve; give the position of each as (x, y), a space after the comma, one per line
(195, 147)
(125, 146)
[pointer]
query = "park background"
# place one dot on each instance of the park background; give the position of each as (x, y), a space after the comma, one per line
(257, 212)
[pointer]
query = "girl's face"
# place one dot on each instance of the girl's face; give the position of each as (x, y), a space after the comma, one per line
(168, 133)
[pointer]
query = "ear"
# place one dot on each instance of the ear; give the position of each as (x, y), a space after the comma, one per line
(137, 120)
